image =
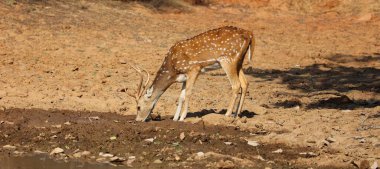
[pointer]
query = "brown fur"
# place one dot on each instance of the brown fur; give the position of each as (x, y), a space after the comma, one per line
(225, 46)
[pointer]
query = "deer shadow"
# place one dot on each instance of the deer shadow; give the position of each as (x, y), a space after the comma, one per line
(205, 112)
(336, 78)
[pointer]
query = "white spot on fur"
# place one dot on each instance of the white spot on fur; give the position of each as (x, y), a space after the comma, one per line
(181, 78)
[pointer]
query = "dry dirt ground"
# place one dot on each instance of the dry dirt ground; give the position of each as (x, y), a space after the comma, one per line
(314, 81)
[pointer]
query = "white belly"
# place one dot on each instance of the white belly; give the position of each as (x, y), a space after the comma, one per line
(181, 78)
(214, 66)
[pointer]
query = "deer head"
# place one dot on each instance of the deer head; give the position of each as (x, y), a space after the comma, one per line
(142, 102)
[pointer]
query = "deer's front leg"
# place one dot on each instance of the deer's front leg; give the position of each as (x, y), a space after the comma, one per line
(180, 101)
(191, 77)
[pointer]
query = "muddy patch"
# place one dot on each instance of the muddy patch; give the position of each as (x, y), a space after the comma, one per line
(119, 140)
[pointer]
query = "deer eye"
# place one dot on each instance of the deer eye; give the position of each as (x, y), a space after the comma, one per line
(138, 108)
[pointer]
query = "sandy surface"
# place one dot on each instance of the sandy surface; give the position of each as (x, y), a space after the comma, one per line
(314, 78)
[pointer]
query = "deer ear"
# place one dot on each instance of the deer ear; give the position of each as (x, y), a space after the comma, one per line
(149, 92)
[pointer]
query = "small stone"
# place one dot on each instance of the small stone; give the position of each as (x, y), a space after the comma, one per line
(259, 157)
(39, 152)
(278, 151)
(117, 159)
(228, 143)
(9, 147)
(309, 154)
(94, 118)
(225, 164)
(182, 136)
(325, 143)
(113, 138)
(105, 155)
(17, 153)
(200, 154)
(85, 153)
(57, 151)
(130, 160)
(56, 126)
(358, 137)
(77, 155)
(122, 61)
(149, 140)
(330, 140)
(9, 122)
(67, 123)
(158, 161)
(362, 140)
(176, 157)
(253, 143)
(102, 160)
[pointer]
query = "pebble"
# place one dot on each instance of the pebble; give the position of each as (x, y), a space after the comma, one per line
(102, 160)
(149, 140)
(309, 154)
(77, 155)
(225, 164)
(56, 126)
(113, 138)
(86, 153)
(18, 152)
(57, 151)
(200, 154)
(278, 151)
(117, 159)
(228, 143)
(39, 152)
(253, 143)
(158, 161)
(105, 155)
(9, 147)
(176, 157)
(330, 140)
(259, 157)
(182, 136)
(130, 160)
(122, 61)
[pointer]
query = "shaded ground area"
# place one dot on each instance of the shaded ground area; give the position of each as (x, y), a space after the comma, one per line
(157, 144)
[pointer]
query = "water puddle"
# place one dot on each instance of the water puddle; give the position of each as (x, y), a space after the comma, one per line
(44, 162)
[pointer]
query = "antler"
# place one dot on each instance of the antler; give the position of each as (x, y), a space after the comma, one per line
(140, 87)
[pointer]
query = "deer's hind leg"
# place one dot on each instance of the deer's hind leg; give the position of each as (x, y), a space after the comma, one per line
(232, 74)
(244, 86)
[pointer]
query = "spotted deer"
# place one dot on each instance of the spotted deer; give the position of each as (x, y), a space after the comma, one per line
(224, 48)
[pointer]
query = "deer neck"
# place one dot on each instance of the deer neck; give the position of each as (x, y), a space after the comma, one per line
(161, 83)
